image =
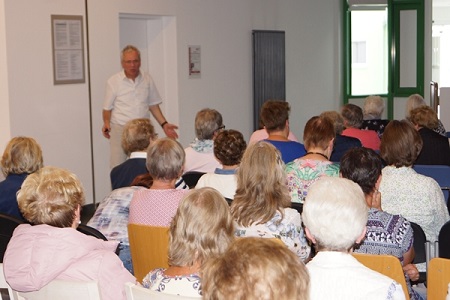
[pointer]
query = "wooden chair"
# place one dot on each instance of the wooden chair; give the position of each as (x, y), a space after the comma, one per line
(149, 247)
(385, 264)
(5, 289)
(62, 289)
(135, 292)
(438, 278)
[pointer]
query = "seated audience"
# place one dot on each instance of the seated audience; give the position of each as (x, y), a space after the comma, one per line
(435, 149)
(341, 143)
(415, 101)
(372, 111)
(261, 206)
(275, 117)
(229, 146)
(353, 119)
(416, 197)
(200, 153)
(136, 137)
(22, 156)
(51, 199)
(202, 228)
(386, 233)
(335, 218)
(254, 269)
(318, 136)
(157, 205)
(111, 216)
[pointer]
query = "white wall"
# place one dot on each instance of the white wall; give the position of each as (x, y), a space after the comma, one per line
(58, 116)
(223, 30)
(5, 131)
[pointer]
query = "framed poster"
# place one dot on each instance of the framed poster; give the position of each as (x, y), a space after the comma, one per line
(68, 49)
(194, 62)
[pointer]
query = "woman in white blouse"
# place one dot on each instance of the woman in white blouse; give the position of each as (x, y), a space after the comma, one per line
(416, 197)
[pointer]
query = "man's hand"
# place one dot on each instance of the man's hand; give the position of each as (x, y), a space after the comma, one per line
(105, 130)
(169, 130)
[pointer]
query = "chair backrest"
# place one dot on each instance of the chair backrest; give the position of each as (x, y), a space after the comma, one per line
(63, 289)
(420, 240)
(444, 241)
(7, 225)
(439, 173)
(91, 231)
(438, 277)
(191, 178)
(149, 247)
(385, 264)
(135, 292)
(5, 290)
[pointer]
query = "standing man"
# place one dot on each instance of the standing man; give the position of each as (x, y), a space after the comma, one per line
(130, 94)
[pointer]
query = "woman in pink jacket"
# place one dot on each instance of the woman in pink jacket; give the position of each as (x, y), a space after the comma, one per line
(51, 200)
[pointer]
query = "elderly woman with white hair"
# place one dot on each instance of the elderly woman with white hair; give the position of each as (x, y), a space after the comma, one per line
(335, 217)
(372, 113)
(200, 153)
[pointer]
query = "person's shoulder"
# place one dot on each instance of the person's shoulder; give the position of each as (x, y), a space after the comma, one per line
(117, 76)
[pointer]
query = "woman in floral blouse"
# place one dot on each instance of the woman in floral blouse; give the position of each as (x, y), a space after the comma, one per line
(318, 137)
(261, 206)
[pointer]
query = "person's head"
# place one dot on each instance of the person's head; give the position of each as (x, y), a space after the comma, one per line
(21, 155)
(362, 166)
(319, 133)
(336, 119)
(373, 107)
(274, 115)
(208, 122)
(165, 159)
(51, 196)
(261, 185)
(400, 144)
(335, 214)
(229, 146)
(424, 116)
(137, 134)
(414, 101)
(353, 115)
(201, 228)
(255, 268)
(131, 61)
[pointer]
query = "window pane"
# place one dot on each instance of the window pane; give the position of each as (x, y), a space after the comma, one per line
(369, 52)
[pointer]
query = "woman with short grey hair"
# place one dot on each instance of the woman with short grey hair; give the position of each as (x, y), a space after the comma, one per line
(373, 110)
(200, 153)
(157, 205)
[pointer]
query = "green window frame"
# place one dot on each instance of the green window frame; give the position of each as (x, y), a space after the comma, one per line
(395, 9)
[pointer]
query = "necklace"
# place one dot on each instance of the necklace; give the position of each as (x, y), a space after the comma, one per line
(318, 153)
